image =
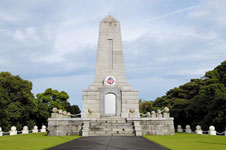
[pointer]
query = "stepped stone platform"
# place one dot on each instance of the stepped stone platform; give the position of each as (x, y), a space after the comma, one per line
(110, 126)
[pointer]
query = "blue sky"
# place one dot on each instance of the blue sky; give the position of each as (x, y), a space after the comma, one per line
(53, 43)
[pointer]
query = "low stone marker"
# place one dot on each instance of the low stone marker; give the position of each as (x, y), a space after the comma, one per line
(188, 129)
(212, 130)
(166, 112)
(25, 130)
(13, 131)
(198, 129)
(225, 132)
(43, 129)
(159, 115)
(153, 114)
(35, 129)
(179, 128)
(1, 133)
(148, 114)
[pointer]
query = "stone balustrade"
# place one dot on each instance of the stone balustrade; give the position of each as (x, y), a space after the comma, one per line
(60, 113)
(158, 114)
(199, 130)
(13, 130)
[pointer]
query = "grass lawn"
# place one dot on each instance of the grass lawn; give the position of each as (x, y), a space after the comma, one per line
(35, 141)
(183, 141)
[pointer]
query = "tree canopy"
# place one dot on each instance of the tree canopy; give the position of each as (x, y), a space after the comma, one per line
(200, 101)
(19, 107)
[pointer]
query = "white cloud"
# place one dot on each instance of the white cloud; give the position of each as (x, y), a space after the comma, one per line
(165, 42)
(6, 17)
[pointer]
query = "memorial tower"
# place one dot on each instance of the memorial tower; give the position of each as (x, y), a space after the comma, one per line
(110, 95)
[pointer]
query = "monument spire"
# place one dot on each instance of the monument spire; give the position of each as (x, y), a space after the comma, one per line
(109, 60)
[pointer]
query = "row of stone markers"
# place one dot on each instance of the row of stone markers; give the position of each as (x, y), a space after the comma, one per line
(199, 130)
(159, 114)
(25, 130)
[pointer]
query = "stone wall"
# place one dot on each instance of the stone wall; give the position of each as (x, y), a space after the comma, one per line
(114, 126)
(157, 126)
(64, 126)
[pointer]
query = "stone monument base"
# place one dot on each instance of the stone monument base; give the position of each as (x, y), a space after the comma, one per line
(110, 126)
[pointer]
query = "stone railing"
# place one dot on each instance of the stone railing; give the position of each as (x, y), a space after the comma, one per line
(159, 114)
(25, 130)
(199, 130)
(62, 114)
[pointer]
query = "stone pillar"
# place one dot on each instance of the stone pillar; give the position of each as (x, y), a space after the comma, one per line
(43, 129)
(85, 128)
(166, 112)
(137, 128)
(1, 133)
(188, 129)
(179, 128)
(148, 114)
(13, 131)
(153, 114)
(159, 115)
(212, 130)
(35, 129)
(225, 132)
(25, 130)
(198, 129)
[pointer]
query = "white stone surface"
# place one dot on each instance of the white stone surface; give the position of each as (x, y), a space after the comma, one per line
(212, 130)
(188, 129)
(35, 129)
(13, 131)
(179, 128)
(25, 130)
(198, 129)
(110, 62)
(43, 129)
(1, 133)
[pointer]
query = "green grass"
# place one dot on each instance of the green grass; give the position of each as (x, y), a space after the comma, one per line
(183, 141)
(35, 141)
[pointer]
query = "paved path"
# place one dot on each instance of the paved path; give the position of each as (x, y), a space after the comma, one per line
(110, 143)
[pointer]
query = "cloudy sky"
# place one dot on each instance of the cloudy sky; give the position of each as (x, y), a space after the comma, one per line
(53, 43)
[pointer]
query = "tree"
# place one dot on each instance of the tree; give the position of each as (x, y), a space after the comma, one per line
(17, 104)
(200, 101)
(146, 106)
(50, 99)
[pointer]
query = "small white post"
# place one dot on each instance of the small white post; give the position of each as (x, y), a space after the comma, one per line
(1, 133)
(198, 129)
(179, 128)
(153, 114)
(188, 129)
(13, 131)
(166, 112)
(43, 129)
(212, 130)
(225, 132)
(25, 130)
(35, 129)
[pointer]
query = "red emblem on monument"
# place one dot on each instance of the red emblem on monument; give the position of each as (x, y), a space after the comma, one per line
(110, 80)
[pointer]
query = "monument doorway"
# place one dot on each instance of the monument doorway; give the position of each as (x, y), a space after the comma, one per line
(110, 104)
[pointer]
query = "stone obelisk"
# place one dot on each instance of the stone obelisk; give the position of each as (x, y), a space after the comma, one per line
(110, 95)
